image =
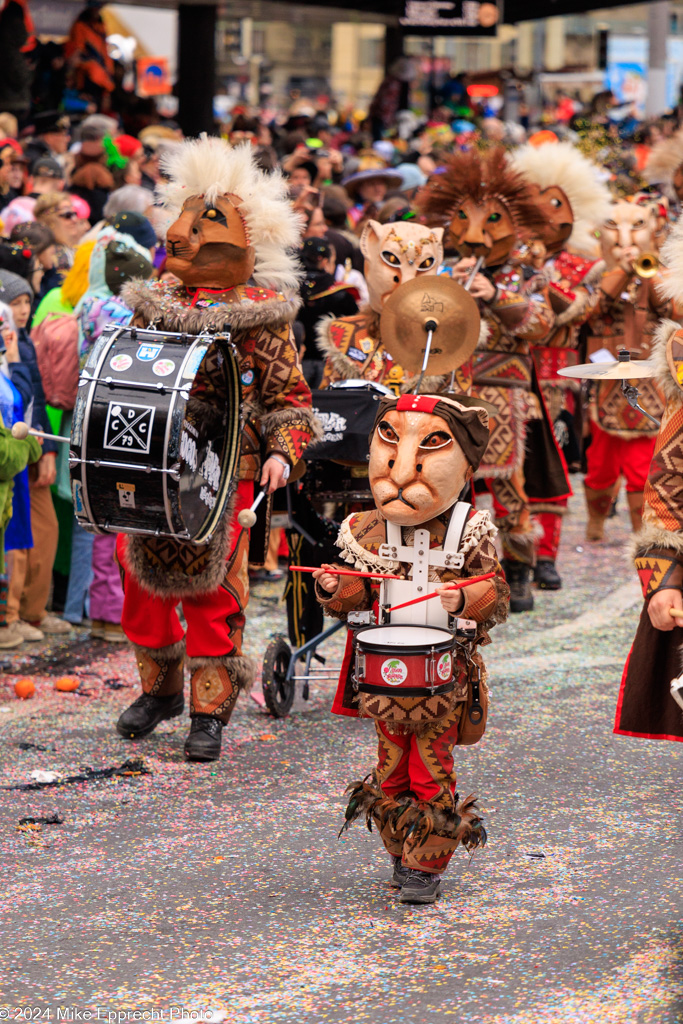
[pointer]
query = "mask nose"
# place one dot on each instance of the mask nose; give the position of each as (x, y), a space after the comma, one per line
(404, 470)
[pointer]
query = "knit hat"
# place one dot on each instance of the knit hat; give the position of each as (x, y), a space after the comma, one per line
(468, 421)
(12, 286)
(130, 222)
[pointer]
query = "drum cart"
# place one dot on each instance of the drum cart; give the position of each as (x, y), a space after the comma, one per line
(347, 413)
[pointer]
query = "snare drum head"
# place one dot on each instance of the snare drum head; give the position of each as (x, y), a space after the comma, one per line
(403, 636)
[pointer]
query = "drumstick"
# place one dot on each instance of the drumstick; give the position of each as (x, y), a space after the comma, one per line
(247, 517)
(676, 613)
(451, 586)
(345, 572)
(20, 431)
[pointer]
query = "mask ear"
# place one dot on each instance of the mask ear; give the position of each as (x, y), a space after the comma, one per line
(373, 227)
(438, 234)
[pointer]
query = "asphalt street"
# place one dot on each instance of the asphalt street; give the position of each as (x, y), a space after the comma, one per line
(221, 892)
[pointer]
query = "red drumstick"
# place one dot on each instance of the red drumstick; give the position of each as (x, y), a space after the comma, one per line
(345, 572)
(451, 586)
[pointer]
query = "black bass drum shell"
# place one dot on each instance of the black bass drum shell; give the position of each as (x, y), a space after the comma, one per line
(156, 434)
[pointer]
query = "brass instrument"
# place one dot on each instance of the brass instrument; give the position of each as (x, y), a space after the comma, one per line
(646, 265)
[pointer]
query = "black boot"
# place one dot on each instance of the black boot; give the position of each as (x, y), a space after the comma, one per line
(145, 713)
(420, 887)
(204, 741)
(546, 575)
(518, 575)
(400, 874)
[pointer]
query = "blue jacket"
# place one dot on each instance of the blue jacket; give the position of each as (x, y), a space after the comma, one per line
(39, 420)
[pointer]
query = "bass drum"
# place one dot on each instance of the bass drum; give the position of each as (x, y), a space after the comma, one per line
(155, 439)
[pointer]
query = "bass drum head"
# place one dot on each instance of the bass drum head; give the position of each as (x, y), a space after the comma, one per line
(210, 441)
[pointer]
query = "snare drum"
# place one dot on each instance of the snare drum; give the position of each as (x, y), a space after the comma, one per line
(404, 661)
(156, 433)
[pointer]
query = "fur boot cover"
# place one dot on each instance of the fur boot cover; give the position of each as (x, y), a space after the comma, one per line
(447, 817)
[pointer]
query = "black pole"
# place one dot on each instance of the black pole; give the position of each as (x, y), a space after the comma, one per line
(196, 67)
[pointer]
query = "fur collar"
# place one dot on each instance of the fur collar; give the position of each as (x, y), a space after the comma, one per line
(168, 308)
(658, 357)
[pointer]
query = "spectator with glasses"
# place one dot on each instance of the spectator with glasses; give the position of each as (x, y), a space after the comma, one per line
(55, 210)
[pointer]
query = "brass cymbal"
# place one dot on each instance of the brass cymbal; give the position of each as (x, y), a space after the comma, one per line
(624, 369)
(430, 300)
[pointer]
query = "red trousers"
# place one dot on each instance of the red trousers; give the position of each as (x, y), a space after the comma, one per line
(215, 621)
(421, 764)
(610, 457)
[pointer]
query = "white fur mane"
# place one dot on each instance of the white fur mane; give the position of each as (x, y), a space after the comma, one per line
(210, 167)
(561, 164)
(671, 286)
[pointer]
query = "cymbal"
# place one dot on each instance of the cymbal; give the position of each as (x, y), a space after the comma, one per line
(425, 300)
(625, 369)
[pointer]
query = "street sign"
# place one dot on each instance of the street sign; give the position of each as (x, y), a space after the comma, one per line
(449, 18)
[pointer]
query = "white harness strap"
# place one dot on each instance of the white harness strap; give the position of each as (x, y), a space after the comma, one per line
(421, 557)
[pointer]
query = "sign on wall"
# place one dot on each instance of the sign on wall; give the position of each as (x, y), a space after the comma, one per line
(449, 18)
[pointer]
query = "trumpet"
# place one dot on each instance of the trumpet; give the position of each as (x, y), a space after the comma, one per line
(646, 265)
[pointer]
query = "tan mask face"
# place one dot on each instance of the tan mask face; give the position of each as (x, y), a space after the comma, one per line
(396, 253)
(207, 247)
(559, 219)
(417, 468)
(483, 229)
(629, 231)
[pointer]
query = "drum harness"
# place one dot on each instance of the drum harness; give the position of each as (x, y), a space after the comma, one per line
(422, 557)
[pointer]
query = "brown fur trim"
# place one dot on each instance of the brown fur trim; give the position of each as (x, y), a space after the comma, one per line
(148, 304)
(160, 582)
(542, 506)
(162, 655)
(295, 415)
(480, 177)
(576, 309)
(241, 669)
(650, 537)
(344, 367)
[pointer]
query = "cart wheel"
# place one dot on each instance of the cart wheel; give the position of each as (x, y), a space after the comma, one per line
(278, 690)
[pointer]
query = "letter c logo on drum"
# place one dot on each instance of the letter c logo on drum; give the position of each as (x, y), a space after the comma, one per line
(394, 671)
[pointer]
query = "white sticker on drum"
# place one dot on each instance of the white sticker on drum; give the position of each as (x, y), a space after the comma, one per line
(121, 362)
(394, 671)
(77, 495)
(129, 427)
(126, 495)
(148, 353)
(163, 367)
(444, 667)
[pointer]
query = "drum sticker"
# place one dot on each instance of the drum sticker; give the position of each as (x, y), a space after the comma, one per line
(394, 671)
(163, 367)
(121, 362)
(76, 492)
(129, 427)
(194, 362)
(147, 353)
(126, 495)
(332, 423)
(444, 667)
(356, 354)
(247, 378)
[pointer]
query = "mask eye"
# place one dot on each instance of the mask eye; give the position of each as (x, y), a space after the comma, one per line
(462, 215)
(437, 439)
(639, 223)
(556, 203)
(610, 223)
(391, 258)
(427, 264)
(212, 214)
(493, 218)
(387, 432)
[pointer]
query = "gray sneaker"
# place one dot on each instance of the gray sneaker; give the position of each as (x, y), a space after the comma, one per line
(400, 874)
(420, 887)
